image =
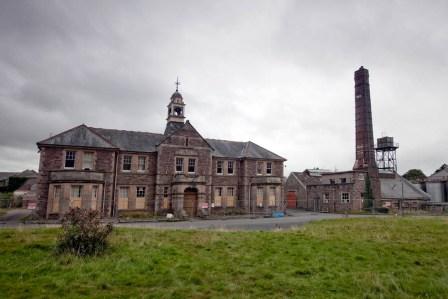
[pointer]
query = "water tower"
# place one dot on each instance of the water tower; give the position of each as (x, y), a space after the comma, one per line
(386, 154)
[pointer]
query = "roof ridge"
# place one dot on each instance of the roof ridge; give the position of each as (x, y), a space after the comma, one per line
(118, 130)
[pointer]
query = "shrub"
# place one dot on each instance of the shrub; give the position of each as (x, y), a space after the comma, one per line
(82, 233)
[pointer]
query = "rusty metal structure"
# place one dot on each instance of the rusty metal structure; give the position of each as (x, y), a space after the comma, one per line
(386, 154)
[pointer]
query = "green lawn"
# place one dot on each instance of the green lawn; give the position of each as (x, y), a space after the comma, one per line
(362, 258)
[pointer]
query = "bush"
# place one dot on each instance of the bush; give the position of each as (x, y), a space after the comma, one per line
(82, 233)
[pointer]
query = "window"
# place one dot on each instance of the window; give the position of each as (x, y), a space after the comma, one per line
(219, 167)
(332, 181)
(140, 200)
(186, 141)
(229, 167)
(343, 180)
(260, 197)
(123, 198)
(272, 191)
(127, 160)
(94, 197)
(70, 159)
(326, 197)
(191, 165)
(345, 197)
(269, 168)
(141, 191)
(259, 167)
(218, 196)
(165, 203)
(141, 163)
(179, 164)
(75, 196)
(230, 197)
(87, 161)
(56, 199)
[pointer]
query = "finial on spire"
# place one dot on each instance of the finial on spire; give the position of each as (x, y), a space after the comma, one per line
(177, 84)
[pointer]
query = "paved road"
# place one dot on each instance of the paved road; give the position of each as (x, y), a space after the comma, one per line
(296, 219)
(15, 215)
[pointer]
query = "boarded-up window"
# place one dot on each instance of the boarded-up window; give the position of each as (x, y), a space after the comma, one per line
(260, 195)
(87, 160)
(123, 198)
(230, 197)
(56, 199)
(94, 197)
(75, 196)
(166, 199)
(271, 196)
(259, 167)
(218, 197)
(140, 200)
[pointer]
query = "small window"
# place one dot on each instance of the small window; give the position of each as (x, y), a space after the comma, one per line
(179, 164)
(343, 180)
(191, 165)
(218, 196)
(219, 167)
(70, 159)
(141, 163)
(141, 191)
(326, 197)
(127, 160)
(259, 167)
(229, 167)
(87, 161)
(269, 168)
(260, 194)
(345, 197)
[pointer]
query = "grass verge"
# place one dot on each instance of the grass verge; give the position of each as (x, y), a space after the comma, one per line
(358, 258)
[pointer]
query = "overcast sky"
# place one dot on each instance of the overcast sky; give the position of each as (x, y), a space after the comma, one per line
(278, 73)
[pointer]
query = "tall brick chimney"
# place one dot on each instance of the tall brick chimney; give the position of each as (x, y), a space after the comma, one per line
(365, 152)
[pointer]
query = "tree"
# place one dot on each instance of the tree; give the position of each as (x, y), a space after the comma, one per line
(414, 175)
(368, 194)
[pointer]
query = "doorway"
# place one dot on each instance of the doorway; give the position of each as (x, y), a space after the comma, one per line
(191, 201)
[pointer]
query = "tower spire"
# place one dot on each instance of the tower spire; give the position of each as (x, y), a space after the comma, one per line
(177, 84)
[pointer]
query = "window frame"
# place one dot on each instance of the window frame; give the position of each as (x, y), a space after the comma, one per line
(139, 190)
(84, 155)
(194, 165)
(345, 200)
(259, 198)
(269, 168)
(217, 195)
(139, 168)
(259, 167)
(73, 160)
(181, 165)
(124, 163)
(220, 165)
(230, 166)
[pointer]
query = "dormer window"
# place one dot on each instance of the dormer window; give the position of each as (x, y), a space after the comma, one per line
(70, 159)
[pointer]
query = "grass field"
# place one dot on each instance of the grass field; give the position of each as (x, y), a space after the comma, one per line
(361, 258)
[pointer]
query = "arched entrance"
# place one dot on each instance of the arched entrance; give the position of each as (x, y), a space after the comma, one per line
(191, 201)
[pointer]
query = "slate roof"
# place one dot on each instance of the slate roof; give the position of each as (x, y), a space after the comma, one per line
(307, 179)
(5, 175)
(147, 142)
(391, 188)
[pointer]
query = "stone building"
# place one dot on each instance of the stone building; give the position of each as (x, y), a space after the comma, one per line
(179, 171)
(327, 191)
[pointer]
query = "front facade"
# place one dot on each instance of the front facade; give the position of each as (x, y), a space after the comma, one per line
(178, 172)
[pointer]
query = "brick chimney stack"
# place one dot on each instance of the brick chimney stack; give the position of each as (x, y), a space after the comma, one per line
(365, 152)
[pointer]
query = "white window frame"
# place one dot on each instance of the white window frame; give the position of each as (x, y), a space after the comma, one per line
(181, 165)
(220, 165)
(141, 166)
(67, 154)
(130, 163)
(345, 200)
(269, 168)
(230, 166)
(189, 165)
